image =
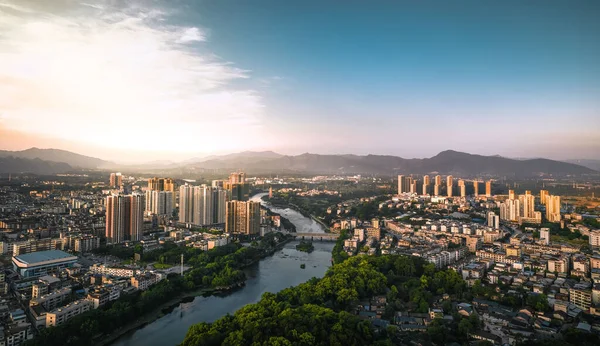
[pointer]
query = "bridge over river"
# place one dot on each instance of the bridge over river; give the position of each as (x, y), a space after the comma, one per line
(316, 236)
(271, 274)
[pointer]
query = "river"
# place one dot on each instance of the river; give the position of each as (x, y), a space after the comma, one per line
(271, 274)
(303, 224)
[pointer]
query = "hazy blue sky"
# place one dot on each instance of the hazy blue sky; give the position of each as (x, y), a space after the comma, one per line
(410, 78)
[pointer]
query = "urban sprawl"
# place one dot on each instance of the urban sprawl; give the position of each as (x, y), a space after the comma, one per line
(530, 259)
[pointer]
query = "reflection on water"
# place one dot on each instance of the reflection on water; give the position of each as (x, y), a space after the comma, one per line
(303, 224)
(271, 274)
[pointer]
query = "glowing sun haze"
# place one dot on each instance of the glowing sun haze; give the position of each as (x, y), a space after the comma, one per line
(146, 80)
(118, 78)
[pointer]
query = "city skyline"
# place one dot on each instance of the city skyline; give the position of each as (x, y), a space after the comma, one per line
(102, 78)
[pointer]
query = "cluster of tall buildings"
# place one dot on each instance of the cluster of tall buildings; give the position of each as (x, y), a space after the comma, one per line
(225, 201)
(552, 208)
(115, 180)
(520, 208)
(236, 186)
(125, 212)
(161, 184)
(493, 220)
(243, 217)
(160, 196)
(202, 205)
(124, 217)
(488, 188)
(515, 209)
(408, 184)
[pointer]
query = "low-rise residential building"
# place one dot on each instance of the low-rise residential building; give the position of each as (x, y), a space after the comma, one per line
(373, 232)
(142, 282)
(581, 297)
(61, 315)
(52, 300)
(558, 265)
(581, 266)
(474, 243)
(85, 243)
(514, 251)
(13, 334)
(473, 271)
(596, 294)
(121, 272)
(99, 298)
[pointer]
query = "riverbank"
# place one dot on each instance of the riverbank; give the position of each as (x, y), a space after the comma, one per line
(296, 208)
(151, 317)
(277, 270)
(272, 274)
(311, 216)
(317, 220)
(182, 298)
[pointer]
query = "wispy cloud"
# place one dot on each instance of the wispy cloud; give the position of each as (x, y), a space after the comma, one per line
(118, 76)
(191, 35)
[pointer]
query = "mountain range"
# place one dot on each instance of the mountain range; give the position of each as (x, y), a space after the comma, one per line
(56, 155)
(51, 161)
(446, 162)
(37, 166)
(243, 156)
(593, 164)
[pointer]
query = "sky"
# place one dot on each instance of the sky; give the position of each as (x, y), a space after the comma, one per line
(147, 80)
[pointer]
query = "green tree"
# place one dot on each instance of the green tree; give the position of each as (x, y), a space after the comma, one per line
(447, 306)
(465, 327)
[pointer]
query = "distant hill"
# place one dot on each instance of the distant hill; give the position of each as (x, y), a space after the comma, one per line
(245, 155)
(446, 162)
(50, 161)
(592, 164)
(36, 166)
(462, 163)
(57, 155)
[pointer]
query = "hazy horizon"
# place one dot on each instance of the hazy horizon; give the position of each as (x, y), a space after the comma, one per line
(146, 80)
(181, 158)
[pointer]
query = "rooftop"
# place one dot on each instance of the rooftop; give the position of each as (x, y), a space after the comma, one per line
(49, 279)
(42, 256)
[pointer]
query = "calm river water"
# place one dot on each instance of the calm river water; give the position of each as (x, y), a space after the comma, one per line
(271, 274)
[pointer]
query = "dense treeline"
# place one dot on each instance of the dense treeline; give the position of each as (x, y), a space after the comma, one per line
(313, 313)
(319, 312)
(338, 255)
(322, 311)
(592, 222)
(169, 253)
(369, 210)
(317, 205)
(85, 328)
(216, 268)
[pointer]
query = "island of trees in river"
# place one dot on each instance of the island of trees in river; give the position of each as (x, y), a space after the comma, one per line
(324, 311)
(306, 246)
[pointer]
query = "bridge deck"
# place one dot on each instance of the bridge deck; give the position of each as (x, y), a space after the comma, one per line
(316, 235)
